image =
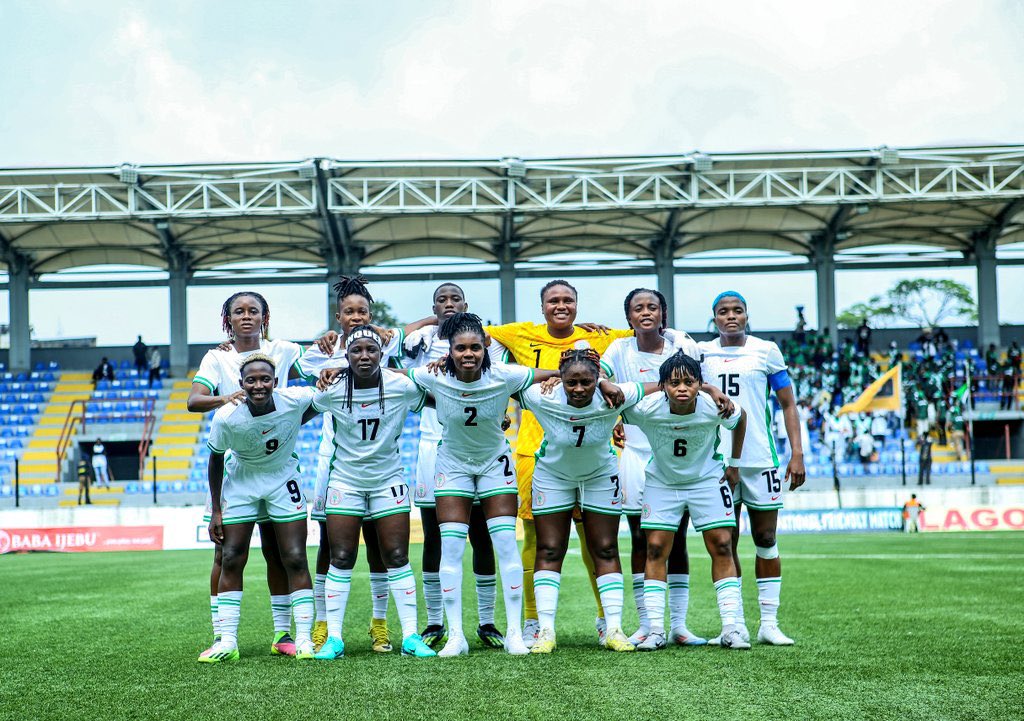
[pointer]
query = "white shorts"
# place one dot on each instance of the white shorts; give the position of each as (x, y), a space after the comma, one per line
(261, 516)
(708, 501)
(759, 488)
(598, 494)
(453, 477)
(247, 495)
(633, 475)
(387, 499)
(426, 461)
(323, 475)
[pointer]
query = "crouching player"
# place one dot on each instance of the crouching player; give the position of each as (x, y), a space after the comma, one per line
(687, 473)
(262, 469)
(368, 407)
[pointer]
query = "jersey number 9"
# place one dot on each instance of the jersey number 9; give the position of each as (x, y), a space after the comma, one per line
(293, 489)
(271, 445)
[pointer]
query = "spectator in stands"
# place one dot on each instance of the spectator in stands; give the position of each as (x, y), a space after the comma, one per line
(879, 428)
(941, 339)
(1008, 373)
(924, 468)
(799, 333)
(865, 447)
(928, 347)
(99, 464)
(83, 482)
(154, 366)
(956, 429)
(104, 372)
(992, 360)
(863, 338)
(911, 511)
(139, 350)
(1013, 355)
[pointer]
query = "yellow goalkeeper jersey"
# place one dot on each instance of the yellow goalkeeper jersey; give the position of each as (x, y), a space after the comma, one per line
(531, 345)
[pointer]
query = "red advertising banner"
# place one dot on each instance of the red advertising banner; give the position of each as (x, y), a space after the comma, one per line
(82, 538)
(972, 518)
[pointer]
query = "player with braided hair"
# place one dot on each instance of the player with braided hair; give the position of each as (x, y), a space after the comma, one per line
(576, 466)
(686, 472)
(245, 318)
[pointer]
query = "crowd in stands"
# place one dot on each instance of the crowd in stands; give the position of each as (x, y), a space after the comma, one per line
(147, 363)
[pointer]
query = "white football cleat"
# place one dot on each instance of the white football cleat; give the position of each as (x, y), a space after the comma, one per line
(685, 637)
(639, 635)
(602, 630)
(530, 630)
(773, 636)
(731, 638)
(514, 645)
(654, 642)
(456, 646)
(741, 627)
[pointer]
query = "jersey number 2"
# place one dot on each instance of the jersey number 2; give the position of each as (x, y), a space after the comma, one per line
(470, 412)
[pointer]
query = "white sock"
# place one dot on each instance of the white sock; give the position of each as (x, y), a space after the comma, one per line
(432, 596)
(453, 548)
(610, 588)
(318, 596)
(768, 592)
(379, 588)
(281, 609)
(678, 598)
(503, 538)
(214, 616)
(336, 589)
(545, 590)
(403, 588)
(486, 597)
(739, 600)
(654, 601)
(638, 598)
(229, 607)
(302, 612)
(728, 590)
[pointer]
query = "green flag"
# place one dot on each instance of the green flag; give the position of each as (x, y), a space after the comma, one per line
(961, 392)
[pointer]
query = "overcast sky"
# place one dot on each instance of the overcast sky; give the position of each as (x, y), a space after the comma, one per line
(108, 82)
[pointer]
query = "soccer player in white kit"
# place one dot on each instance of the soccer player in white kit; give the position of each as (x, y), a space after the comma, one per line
(748, 370)
(368, 407)
(260, 476)
(576, 465)
(422, 348)
(245, 317)
(638, 360)
(687, 473)
(474, 460)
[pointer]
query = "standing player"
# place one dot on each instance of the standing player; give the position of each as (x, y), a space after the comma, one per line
(638, 360)
(245, 317)
(422, 348)
(261, 478)
(576, 466)
(748, 369)
(368, 407)
(99, 464)
(540, 346)
(686, 473)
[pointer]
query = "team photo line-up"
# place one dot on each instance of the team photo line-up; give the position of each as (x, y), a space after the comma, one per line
(692, 421)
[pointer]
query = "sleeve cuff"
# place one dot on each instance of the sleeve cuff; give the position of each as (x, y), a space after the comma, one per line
(203, 381)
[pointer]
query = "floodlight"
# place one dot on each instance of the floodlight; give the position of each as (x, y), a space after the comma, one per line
(307, 171)
(702, 163)
(128, 173)
(514, 167)
(888, 156)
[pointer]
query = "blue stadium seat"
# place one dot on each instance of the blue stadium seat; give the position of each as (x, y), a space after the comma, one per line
(52, 490)
(6, 491)
(131, 488)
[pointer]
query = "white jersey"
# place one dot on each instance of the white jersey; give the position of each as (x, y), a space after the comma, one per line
(577, 443)
(685, 448)
(742, 373)
(263, 443)
(471, 413)
(314, 361)
(624, 362)
(428, 348)
(365, 436)
(98, 450)
(220, 370)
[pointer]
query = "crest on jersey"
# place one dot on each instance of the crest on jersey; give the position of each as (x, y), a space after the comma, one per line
(421, 491)
(539, 497)
(646, 513)
(439, 480)
(334, 497)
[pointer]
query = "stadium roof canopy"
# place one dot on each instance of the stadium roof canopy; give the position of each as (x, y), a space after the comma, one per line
(340, 215)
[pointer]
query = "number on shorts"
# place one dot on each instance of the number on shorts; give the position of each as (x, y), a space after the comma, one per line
(730, 383)
(508, 466)
(580, 430)
(726, 496)
(271, 446)
(370, 427)
(293, 488)
(470, 412)
(679, 447)
(772, 477)
(615, 485)
(399, 490)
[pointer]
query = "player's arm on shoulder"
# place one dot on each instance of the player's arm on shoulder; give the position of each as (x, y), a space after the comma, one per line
(724, 403)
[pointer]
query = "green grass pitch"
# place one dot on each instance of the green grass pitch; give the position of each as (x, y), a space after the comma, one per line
(887, 626)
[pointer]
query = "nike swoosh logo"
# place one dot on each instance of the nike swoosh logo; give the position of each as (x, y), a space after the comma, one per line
(775, 498)
(383, 596)
(646, 370)
(335, 595)
(679, 428)
(534, 345)
(266, 431)
(467, 395)
(365, 405)
(574, 418)
(516, 588)
(729, 360)
(447, 590)
(729, 513)
(410, 592)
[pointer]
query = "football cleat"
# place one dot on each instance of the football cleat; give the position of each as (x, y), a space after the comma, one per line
(684, 637)
(219, 653)
(639, 635)
(773, 636)
(333, 648)
(514, 645)
(282, 645)
(732, 638)
(304, 650)
(380, 639)
(654, 642)
(490, 635)
(530, 630)
(602, 629)
(456, 646)
(434, 634)
(617, 641)
(545, 642)
(414, 646)
(319, 634)
(744, 634)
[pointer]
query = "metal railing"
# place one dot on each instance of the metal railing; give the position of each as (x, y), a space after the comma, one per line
(67, 432)
(149, 423)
